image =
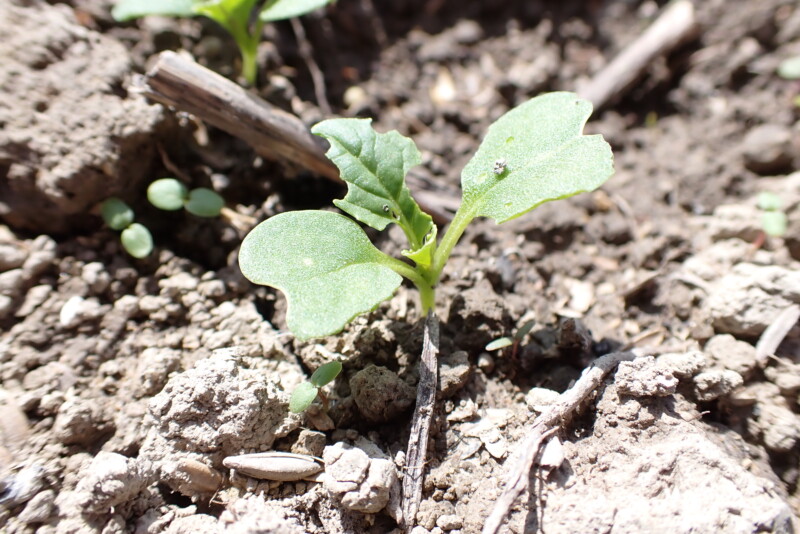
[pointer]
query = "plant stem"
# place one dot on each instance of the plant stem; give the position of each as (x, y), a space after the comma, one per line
(248, 47)
(427, 295)
(460, 222)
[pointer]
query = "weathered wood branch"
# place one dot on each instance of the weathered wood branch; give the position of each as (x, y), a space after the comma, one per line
(416, 456)
(676, 25)
(555, 418)
(183, 84)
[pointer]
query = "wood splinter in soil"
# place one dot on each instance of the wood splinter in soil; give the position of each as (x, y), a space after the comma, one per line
(675, 26)
(416, 454)
(552, 420)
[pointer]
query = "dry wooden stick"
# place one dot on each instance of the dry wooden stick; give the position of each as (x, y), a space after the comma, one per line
(179, 82)
(554, 418)
(421, 423)
(676, 25)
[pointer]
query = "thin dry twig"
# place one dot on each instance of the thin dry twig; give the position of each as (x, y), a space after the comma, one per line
(307, 53)
(421, 423)
(674, 26)
(554, 418)
(179, 82)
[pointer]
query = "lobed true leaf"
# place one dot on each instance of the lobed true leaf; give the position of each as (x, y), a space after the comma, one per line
(374, 166)
(324, 263)
(533, 154)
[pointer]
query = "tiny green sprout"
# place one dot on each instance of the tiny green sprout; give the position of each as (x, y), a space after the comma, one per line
(326, 265)
(789, 69)
(325, 374)
(304, 394)
(204, 202)
(233, 15)
(137, 241)
(499, 343)
(169, 194)
(519, 335)
(116, 213)
(135, 238)
(773, 220)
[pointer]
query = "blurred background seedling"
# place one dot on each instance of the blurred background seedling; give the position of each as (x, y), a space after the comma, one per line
(236, 16)
(773, 219)
(135, 238)
(166, 194)
(789, 69)
(170, 195)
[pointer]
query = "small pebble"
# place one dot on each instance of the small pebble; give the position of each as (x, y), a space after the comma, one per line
(485, 362)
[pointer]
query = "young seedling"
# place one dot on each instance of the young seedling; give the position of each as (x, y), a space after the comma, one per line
(304, 394)
(773, 219)
(326, 265)
(513, 341)
(233, 15)
(135, 238)
(166, 194)
(789, 69)
(169, 194)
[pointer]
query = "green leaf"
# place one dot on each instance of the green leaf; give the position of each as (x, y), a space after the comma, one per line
(325, 373)
(533, 154)
(233, 15)
(500, 343)
(204, 202)
(769, 201)
(287, 9)
(790, 68)
(374, 165)
(423, 256)
(136, 240)
(324, 263)
(167, 194)
(524, 329)
(302, 397)
(132, 9)
(774, 223)
(116, 213)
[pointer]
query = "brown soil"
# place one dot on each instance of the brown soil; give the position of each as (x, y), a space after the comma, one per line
(125, 383)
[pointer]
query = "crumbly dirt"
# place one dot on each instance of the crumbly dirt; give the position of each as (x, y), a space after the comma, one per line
(125, 383)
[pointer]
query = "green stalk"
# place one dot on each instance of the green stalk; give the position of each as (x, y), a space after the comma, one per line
(454, 232)
(248, 47)
(427, 294)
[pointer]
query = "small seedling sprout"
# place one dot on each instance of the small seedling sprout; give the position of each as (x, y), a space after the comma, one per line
(135, 238)
(116, 213)
(789, 69)
(773, 219)
(233, 15)
(137, 241)
(326, 265)
(514, 341)
(166, 194)
(304, 394)
(204, 202)
(169, 194)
